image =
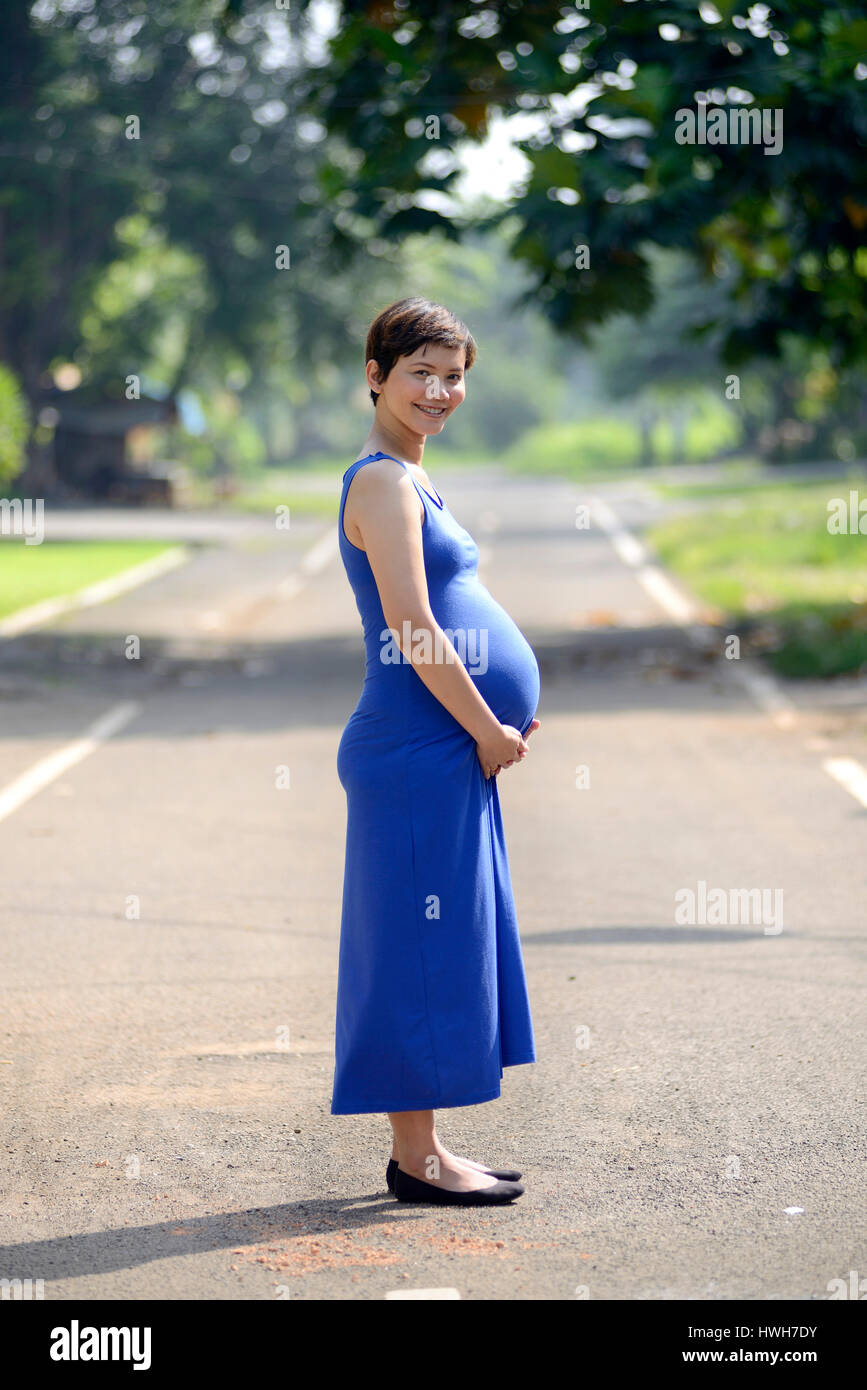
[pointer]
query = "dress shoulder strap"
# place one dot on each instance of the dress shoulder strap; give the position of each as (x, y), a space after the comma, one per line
(368, 458)
(437, 500)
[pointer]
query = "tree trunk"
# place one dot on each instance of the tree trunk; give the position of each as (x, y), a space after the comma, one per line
(646, 421)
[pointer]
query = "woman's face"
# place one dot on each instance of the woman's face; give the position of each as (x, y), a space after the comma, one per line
(424, 387)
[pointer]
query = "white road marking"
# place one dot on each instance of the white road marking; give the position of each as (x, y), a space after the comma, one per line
(52, 766)
(422, 1293)
(765, 691)
(315, 560)
(660, 587)
(850, 775)
(131, 578)
(677, 605)
(767, 695)
(320, 554)
(290, 586)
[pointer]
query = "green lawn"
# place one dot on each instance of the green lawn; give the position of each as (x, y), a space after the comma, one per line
(767, 562)
(31, 573)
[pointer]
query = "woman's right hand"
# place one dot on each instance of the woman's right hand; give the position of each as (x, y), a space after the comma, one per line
(500, 749)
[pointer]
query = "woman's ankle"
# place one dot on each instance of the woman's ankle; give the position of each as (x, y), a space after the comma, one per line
(423, 1162)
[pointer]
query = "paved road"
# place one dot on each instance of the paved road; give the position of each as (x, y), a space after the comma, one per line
(694, 1125)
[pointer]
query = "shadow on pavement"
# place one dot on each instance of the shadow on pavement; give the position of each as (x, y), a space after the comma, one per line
(125, 1247)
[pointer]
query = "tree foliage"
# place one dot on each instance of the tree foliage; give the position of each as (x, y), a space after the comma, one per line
(14, 426)
(153, 163)
(606, 82)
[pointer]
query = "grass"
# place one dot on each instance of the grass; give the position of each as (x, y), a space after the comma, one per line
(745, 475)
(576, 449)
(766, 561)
(610, 441)
(31, 573)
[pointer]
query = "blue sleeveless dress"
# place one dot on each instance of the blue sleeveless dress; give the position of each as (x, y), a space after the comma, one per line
(431, 994)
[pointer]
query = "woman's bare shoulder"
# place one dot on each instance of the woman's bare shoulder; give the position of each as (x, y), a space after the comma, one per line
(378, 468)
(377, 477)
(370, 485)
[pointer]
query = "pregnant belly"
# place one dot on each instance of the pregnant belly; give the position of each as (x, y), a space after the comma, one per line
(495, 652)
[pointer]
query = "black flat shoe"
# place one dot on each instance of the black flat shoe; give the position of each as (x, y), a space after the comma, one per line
(505, 1174)
(410, 1189)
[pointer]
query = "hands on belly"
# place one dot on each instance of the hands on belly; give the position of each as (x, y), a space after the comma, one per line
(504, 748)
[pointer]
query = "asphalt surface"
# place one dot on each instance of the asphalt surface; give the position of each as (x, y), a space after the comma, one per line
(694, 1125)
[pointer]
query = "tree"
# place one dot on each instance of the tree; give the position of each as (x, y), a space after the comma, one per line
(606, 82)
(154, 166)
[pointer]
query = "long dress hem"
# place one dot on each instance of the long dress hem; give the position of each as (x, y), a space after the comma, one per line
(384, 1108)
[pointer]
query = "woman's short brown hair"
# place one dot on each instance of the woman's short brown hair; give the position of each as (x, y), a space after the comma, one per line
(407, 325)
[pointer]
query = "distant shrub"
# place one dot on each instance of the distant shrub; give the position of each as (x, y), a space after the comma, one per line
(14, 426)
(577, 447)
(711, 429)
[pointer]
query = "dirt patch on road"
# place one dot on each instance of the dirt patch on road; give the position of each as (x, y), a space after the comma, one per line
(378, 1244)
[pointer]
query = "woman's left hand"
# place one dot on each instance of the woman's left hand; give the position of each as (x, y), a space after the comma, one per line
(532, 729)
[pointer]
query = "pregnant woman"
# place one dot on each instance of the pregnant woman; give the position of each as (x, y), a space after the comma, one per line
(431, 996)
